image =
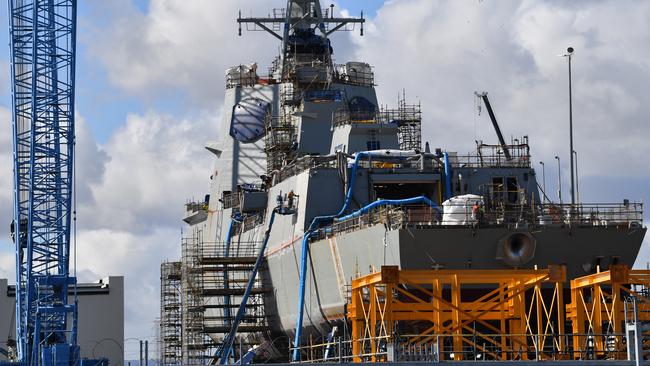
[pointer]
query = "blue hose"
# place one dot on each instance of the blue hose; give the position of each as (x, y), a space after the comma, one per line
(402, 202)
(226, 280)
(447, 166)
(327, 219)
(224, 351)
(305, 249)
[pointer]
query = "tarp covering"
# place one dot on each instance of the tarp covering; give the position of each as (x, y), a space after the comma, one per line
(458, 210)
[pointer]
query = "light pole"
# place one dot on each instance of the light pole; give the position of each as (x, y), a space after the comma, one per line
(559, 180)
(577, 179)
(568, 54)
(543, 180)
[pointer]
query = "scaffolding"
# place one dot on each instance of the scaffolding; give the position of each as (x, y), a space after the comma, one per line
(196, 342)
(408, 118)
(597, 311)
(481, 315)
(501, 315)
(170, 314)
(279, 142)
(226, 267)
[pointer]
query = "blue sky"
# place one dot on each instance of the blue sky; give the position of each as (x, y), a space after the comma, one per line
(150, 86)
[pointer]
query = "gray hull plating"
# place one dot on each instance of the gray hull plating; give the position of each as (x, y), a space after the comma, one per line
(336, 260)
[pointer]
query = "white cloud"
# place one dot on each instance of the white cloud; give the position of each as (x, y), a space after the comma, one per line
(131, 193)
(181, 45)
(6, 174)
(132, 221)
(442, 51)
(155, 163)
(137, 257)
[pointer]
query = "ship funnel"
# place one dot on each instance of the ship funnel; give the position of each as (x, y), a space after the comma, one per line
(516, 249)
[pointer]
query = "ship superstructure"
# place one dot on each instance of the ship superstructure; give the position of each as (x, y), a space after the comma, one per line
(354, 189)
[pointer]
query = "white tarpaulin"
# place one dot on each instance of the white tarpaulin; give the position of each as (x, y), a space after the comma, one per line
(458, 210)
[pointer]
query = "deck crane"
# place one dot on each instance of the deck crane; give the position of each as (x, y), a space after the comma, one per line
(42, 43)
(488, 106)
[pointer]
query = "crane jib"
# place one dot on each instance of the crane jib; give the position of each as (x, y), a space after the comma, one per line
(42, 46)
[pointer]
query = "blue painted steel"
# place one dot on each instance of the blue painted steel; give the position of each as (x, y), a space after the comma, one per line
(328, 95)
(225, 349)
(226, 279)
(447, 166)
(247, 358)
(43, 42)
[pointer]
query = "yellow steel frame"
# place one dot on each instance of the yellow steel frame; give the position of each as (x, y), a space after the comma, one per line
(597, 307)
(448, 304)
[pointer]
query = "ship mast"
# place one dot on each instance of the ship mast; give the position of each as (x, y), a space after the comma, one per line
(301, 19)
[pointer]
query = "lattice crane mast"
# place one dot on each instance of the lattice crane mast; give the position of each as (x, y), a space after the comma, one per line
(42, 42)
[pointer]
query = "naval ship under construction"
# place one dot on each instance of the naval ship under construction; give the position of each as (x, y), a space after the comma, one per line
(312, 174)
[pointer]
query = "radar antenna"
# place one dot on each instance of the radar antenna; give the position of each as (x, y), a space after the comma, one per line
(301, 18)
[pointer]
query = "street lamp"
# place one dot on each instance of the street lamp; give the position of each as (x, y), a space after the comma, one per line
(568, 54)
(543, 180)
(559, 180)
(577, 185)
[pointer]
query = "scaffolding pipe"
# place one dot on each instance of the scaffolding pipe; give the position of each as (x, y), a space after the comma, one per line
(226, 254)
(222, 352)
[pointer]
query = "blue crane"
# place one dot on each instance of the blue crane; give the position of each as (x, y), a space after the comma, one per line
(42, 42)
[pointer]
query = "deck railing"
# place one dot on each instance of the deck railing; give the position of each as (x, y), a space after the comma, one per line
(586, 214)
(476, 347)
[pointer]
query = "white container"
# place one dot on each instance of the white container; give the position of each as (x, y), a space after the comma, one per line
(458, 210)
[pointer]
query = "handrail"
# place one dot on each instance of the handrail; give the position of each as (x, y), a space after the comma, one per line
(587, 214)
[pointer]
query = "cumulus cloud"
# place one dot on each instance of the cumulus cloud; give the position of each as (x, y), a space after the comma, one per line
(130, 197)
(183, 45)
(137, 257)
(154, 164)
(6, 175)
(131, 220)
(442, 51)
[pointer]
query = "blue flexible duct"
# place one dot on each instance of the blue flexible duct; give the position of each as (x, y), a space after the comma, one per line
(447, 166)
(329, 218)
(222, 353)
(402, 202)
(305, 250)
(226, 254)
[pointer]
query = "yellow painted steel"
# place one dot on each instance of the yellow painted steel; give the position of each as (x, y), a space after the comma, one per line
(505, 314)
(597, 307)
(481, 309)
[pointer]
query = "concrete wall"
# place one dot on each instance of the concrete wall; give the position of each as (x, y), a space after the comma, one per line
(101, 318)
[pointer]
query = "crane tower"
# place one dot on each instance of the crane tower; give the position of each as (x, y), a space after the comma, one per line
(42, 42)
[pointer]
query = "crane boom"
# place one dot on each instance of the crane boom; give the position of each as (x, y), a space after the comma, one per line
(42, 43)
(493, 118)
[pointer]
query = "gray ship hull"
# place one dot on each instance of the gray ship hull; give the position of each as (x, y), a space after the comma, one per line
(334, 261)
